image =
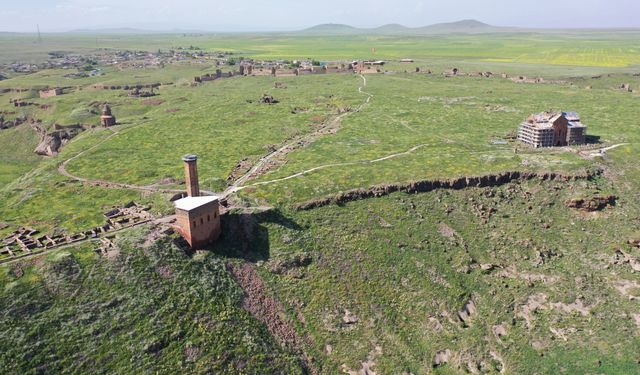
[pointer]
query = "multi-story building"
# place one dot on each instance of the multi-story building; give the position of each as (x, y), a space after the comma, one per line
(552, 129)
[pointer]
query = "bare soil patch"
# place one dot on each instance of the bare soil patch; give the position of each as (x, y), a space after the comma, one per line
(266, 308)
(152, 101)
(446, 231)
(367, 366)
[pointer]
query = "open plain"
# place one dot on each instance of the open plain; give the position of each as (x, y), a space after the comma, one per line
(378, 223)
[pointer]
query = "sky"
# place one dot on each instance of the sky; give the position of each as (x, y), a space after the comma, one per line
(276, 15)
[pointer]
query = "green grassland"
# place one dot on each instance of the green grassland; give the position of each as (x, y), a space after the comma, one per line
(386, 261)
(159, 311)
(404, 265)
(456, 120)
(17, 153)
(219, 122)
(179, 73)
(586, 49)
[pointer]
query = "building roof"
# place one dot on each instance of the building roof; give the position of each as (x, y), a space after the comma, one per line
(191, 203)
(571, 116)
(544, 120)
(190, 157)
(576, 124)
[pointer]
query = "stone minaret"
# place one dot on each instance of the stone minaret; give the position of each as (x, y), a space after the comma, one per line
(191, 174)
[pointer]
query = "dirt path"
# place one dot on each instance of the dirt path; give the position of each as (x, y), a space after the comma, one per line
(590, 154)
(359, 162)
(331, 127)
(268, 310)
(62, 169)
(307, 171)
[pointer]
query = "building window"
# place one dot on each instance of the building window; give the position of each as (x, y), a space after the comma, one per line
(208, 218)
(201, 221)
(194, 223)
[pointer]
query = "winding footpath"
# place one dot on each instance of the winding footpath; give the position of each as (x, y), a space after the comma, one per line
(361, 162)
(255, 171)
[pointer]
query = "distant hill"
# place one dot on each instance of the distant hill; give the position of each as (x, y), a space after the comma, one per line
(331, 29)
(392, 28)
(463, 27)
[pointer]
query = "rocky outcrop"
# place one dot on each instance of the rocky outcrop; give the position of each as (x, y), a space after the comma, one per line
(442, 357)
(467, 312)
(430, 185)
(6, 124)
(283, 266)
(52, 142)
(596, 203)
(268, 99)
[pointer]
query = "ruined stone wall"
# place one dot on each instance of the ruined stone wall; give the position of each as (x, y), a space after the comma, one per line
(131, 87)
(50, 93)
(430, 185)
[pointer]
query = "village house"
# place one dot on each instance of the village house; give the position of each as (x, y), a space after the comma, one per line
(552, 129)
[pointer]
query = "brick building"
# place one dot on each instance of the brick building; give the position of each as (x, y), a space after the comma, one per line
(552, 129)
(576, 130)
(198, 216)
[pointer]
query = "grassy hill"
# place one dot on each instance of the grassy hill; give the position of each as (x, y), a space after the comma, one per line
(330, 29)
(464, 26)
(155, 310)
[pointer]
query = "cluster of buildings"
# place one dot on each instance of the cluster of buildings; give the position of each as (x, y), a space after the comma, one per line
(552, 129)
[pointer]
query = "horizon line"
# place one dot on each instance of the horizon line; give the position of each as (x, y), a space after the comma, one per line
(266, 29)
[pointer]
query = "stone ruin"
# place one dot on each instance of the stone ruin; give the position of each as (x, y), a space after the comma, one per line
(26, 241)
(268, 99)
(51, 142)
(20, 103)
(7, 124)
(106, 245)
(131, 87)
(126, 216)
(50, 92)
(137, 93)
(595, 203)
(107, 118)
(278, 71)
